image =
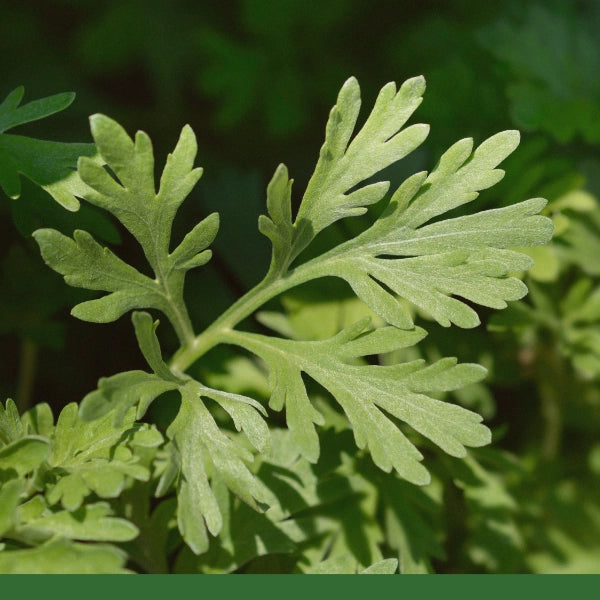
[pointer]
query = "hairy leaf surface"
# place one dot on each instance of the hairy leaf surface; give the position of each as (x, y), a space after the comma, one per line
(74, 459)
(423, 252)
(92, 522)
(409, 252)
(369, 393)
(95, 457)
(199, 448)
(128, 192)
(343, 164)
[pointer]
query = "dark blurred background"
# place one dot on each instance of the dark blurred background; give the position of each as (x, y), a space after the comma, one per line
(256, 79)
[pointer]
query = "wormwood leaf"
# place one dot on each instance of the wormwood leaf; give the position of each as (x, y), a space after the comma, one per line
(129, 194)
(198, 438)
(433, 266)
(43, 464)
(122, 391)
(94, 457)
(198, 446)
(11, 428)
(51, 165)
(39, 420)
(278, 225)
(10, 492)
(11, 114)
(85, 263)
(24, 455)
(75, 458)
(342, 165)
(21, 451)
(411, 254)
(89, 523)
(371, 394)
(316, 505)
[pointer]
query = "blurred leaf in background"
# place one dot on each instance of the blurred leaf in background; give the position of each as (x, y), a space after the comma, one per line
(551, 51)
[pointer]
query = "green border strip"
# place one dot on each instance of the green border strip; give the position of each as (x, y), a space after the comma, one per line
(281, 587)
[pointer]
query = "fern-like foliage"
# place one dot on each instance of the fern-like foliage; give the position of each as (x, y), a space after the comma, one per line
(195, 438)
(411, 254)
(342, 165)
(55, 480)
(367, 392)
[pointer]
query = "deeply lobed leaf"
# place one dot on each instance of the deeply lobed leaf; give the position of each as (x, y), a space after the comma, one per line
(199, 449)
(342, 165)
(429, 266)
(411, 253)
(369, 393)
(128, 193)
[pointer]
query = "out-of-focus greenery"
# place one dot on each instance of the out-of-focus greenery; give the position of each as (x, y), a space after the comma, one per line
(255, 79)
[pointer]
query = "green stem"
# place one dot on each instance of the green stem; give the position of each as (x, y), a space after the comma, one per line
(180, 319)
(551, 375)
(267, 289)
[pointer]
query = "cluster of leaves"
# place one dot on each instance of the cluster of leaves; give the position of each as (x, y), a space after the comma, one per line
(56, 482)
(215, 454)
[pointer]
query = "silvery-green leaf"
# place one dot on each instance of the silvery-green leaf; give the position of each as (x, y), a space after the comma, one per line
(10, 492)
(24, 455)
(92, 522)
(128, 192)
(368, 393)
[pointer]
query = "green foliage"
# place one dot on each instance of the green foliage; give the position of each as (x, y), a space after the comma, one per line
(554, 59)
(48, 164)
(285, 477)
(571, 318)
(363, 391)
(218, 447)
(52, 477)
(147, 215)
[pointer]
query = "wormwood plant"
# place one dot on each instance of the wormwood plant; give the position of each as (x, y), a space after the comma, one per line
(330, 485)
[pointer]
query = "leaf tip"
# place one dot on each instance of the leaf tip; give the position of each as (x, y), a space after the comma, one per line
(350, 90)
(102, 124)
(69, 98)
(351, 82)
(416, 84)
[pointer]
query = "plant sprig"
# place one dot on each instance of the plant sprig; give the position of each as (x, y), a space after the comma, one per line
(410, 253)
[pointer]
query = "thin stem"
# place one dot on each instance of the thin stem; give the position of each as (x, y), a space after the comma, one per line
(551, 375)
(267, 289)
(180, 319)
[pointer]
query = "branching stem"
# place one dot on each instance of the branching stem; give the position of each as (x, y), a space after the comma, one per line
(264, 291)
